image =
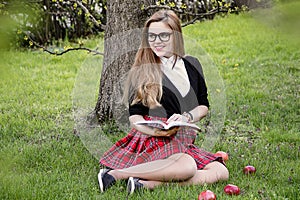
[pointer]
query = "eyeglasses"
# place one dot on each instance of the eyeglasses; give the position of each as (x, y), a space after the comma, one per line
(164, 36)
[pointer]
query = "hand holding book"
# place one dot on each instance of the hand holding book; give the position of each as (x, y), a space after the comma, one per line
(169, 132)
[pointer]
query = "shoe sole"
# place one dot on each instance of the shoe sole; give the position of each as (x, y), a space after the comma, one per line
(100, 179)
(131, 184)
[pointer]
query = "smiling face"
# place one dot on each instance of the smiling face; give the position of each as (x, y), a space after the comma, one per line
(160, 38)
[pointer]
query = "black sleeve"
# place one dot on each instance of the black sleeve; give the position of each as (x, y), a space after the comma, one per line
(202, 92)
(198, 80)
(138, 109)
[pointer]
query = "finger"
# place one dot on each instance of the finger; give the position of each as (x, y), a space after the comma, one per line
(163, 133)
(172, 131)
(157, 132)
(178, 118)
(176, 129)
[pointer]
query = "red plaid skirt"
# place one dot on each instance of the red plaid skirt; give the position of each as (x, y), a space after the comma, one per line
(137, 148)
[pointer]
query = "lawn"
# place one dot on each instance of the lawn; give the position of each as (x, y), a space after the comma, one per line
(256, 67)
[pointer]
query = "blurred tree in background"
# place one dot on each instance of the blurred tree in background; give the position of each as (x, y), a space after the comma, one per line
(47, 21)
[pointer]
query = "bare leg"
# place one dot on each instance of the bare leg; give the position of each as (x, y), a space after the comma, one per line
(211, 173)
(177, 167)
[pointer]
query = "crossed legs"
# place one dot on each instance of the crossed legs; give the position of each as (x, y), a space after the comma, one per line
(178, 167)
(211, 173)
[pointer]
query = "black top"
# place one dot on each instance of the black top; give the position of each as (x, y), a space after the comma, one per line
(172, 101)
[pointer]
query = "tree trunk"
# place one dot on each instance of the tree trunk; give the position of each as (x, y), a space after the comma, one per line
(122, 38)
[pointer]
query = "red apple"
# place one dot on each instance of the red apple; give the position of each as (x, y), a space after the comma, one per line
(232, 189)
(249, 169)
(207, 195)
(222, 154)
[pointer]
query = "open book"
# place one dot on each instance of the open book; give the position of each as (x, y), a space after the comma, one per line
(164, 126)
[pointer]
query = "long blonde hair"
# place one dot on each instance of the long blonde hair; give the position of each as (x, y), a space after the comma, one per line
(144, 82)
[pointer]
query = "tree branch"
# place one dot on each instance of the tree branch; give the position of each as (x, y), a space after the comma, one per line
(95, 52)
(190, 22)
(201, 16)
(197, 16)
(93, 19)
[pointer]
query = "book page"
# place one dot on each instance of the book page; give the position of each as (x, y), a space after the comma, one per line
(162, 125)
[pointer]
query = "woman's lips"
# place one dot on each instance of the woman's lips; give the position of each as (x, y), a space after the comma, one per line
(159, 48)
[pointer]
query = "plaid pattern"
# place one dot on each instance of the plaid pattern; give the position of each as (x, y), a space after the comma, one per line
(137, 148)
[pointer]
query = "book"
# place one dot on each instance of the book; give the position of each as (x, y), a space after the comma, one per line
(166, 126)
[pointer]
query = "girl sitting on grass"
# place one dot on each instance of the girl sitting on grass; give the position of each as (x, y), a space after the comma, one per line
(162, 84)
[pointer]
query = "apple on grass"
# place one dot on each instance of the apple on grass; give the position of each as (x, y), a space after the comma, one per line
(207, 195)
(231, 189)
(249, 169)
(222, 154)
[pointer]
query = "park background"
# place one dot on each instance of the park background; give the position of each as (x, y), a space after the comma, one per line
(257, 54)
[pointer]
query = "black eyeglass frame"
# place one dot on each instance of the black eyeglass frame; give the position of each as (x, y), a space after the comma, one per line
(160, 35)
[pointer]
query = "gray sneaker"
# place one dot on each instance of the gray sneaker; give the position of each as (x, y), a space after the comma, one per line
(133, 184)
(105, 180)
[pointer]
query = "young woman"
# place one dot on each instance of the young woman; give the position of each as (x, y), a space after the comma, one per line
(162, 84)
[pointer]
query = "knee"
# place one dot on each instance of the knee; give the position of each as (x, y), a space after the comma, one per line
(185, 164)
(217, 171)
(223, 173)
(188, 165)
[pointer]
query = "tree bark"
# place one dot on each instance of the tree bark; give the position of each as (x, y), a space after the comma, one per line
(121, 41)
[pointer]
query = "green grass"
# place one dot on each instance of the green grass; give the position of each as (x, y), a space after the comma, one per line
(42, 158)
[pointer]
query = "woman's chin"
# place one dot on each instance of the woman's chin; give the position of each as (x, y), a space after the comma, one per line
(163, 54)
